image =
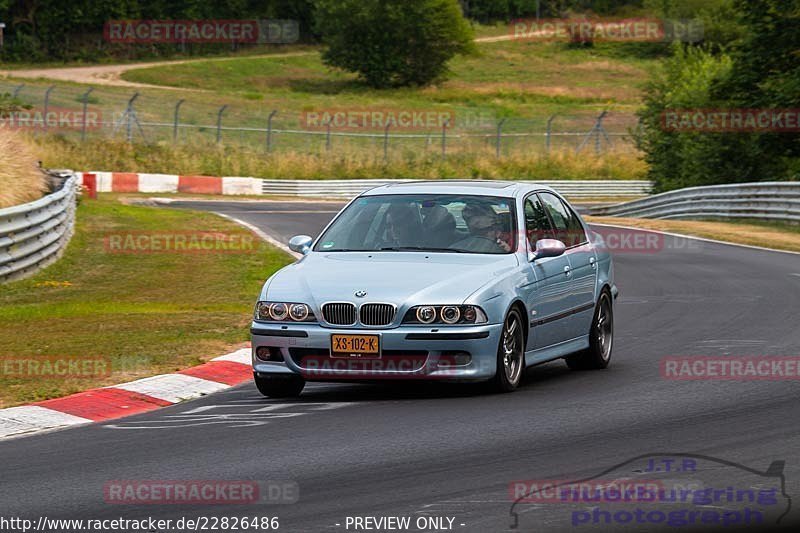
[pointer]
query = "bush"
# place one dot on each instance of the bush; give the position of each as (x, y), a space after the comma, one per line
(393, 43)
(687, 81)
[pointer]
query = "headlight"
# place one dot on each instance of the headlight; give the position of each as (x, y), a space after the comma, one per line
(283, 312)
(445, 314)
(426, 314)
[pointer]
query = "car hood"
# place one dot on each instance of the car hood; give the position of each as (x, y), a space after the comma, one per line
(387, 277)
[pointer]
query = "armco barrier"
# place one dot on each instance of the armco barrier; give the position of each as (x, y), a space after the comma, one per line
(164, 183)
(350, 188)
(34, 235)
(766, 200)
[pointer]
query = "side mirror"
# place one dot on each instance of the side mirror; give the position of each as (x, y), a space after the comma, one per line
(548, 248)
(301, 244)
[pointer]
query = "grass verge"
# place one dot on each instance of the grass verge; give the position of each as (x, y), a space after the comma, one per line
(146, 313)
(215, 160)
(778, 236)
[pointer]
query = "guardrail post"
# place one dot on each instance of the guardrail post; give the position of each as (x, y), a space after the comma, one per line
(500, 136)
(269, 129)
(46, 106)
(85, 100)
(175, 120)
(219, 122)
(386, 142)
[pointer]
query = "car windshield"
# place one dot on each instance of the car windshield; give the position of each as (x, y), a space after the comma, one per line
(423, 223)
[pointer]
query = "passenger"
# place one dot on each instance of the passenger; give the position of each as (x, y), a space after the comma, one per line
(439, 226)
(485, 227)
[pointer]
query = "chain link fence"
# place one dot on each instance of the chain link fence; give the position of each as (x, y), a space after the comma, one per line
(83, 114)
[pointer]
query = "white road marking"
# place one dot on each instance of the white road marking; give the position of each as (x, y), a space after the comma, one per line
(274, 242)
(27, 418)
(243, 356)
(173, 388)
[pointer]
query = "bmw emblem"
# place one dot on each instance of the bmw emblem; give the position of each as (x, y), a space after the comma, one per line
(361, 294)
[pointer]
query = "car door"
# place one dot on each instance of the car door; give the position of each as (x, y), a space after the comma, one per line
(582, 262)
(550, 285)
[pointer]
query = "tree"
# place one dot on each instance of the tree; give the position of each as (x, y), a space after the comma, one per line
(393, 42)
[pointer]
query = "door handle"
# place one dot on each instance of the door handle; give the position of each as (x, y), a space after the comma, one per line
(593, 262)
(568, 270)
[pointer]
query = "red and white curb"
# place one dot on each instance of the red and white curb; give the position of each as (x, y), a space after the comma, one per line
(130, 182)
(141, 396)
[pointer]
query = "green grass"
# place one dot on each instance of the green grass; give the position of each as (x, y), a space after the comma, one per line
(148, 313)
(524, 79)
(523, 82)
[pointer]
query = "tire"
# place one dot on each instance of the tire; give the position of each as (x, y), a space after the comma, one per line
(280, 387)
(510, 354)
(601, 338)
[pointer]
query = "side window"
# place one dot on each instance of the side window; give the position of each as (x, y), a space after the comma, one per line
(577, 234)
(537, 225)
(559, 216)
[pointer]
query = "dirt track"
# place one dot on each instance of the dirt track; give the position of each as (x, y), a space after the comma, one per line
(112, 74)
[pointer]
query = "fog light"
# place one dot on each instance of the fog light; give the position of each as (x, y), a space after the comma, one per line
(452, 359)
(270, 354)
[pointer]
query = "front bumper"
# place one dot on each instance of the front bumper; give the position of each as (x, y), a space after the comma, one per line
(408, 352)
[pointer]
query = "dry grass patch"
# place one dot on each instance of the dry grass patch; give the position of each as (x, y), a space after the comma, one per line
(21, 181)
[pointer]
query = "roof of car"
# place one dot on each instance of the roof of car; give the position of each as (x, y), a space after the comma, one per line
(507, 189)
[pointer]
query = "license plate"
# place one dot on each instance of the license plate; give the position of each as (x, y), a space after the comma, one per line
(355, 346)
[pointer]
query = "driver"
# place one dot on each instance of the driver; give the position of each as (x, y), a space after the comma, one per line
(485, 231)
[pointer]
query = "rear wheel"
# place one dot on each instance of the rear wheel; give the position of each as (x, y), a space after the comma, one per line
(601, 338)
(280, 386)
(510, 354)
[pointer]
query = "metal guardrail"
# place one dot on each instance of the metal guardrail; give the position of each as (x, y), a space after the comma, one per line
(766, 200)
(35, 234)
(349, 188)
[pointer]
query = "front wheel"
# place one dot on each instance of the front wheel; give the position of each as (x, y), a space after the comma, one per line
(601, 339)
(280, 386)
(510, 354)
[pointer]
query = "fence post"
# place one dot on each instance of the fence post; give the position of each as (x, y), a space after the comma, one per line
(549, 134)
(175, 121)
(219, 122)
(596, 131)
(85, 99)
(500, 136)
(386, 142)
(444, 138)
(328, 136)
(17, 90)
(46, 106)
(269, 129)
